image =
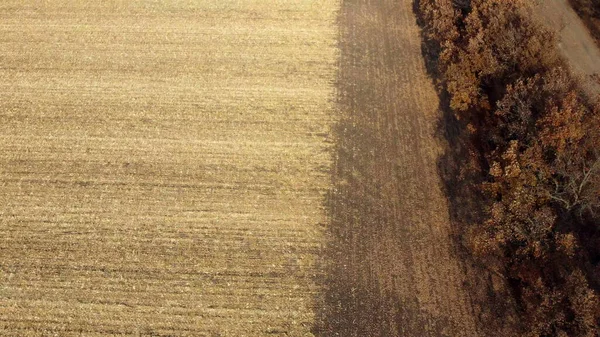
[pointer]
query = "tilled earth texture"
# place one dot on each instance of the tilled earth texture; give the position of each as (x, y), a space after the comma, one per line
(222, 168)
(163, 165)
(394, 270)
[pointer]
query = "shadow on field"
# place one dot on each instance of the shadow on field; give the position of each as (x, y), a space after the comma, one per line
(382, 251)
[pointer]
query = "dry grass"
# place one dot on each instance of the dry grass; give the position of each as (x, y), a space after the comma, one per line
(163, 165)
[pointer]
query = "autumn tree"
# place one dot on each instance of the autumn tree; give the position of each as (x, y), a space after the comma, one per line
(532, 151)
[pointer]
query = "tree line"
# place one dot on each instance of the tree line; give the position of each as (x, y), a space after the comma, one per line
(530, 159)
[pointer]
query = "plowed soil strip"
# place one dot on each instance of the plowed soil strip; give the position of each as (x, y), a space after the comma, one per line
(393, 270)
(163, 165)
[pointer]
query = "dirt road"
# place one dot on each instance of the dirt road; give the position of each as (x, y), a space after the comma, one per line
(575, 42)
(163, 165)
(393, 269)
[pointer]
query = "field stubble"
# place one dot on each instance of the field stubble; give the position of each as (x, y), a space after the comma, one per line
(163, 165)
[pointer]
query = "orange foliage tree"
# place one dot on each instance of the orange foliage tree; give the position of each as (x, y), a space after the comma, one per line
(535, 141)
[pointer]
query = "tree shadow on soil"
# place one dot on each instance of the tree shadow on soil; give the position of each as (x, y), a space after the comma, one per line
(358, 303)
(368, 231)
(380, 206)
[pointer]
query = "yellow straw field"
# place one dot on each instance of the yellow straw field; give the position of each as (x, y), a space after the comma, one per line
(163, 165)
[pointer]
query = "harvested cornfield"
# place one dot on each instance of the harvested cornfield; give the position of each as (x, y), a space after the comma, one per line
(163, 165)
